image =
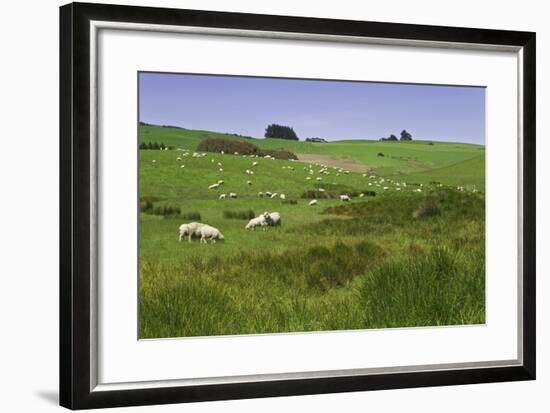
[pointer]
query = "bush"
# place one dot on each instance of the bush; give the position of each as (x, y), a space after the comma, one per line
(214, 144)
(145, 206)
(242, 214)
(427, 209)
(380, 154)
(166, 210)
(191, 216)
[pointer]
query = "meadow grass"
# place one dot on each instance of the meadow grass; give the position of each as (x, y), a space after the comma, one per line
(374, 262)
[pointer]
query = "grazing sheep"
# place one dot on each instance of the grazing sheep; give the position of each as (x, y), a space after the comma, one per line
(312, 202)
(274, 195)
(232, 195)
(249, 182)
(182, 166)
(282, 196)
(220, 164)
(261, 194)
(154, 161)
(222, 196)
(308, 178)
(221, 170)
(361, 195)
(268, 194)
(220, 182)
(256, 222)
(178, 158)
(319, 178)
(189, 229)
(272, 218)
(254, 163)
(214, 186)
(208, 232)
(345, 198)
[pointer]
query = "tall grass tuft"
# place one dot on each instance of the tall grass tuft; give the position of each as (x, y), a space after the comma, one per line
(240, 214)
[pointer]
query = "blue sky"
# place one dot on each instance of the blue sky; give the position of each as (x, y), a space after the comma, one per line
(332, 110)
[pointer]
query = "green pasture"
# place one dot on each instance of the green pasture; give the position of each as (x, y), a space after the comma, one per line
(371, 263)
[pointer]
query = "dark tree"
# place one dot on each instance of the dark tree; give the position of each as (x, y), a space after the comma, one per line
(406, 136)
(392, 138)
(280, 132)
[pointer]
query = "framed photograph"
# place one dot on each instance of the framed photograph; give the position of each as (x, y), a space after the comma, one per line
(259, 206)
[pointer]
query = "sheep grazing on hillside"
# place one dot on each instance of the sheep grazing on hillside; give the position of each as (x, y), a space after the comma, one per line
(222, 196)
(345, 198)
(220, 182)
(268, 194)
(361, 195)
(274, 195)
(214, 186)
(249, 182)
(282, 196)
(256, 222)
(312, 202)
(232, 195)
(221, 170)
(178, 158)
(261, 194)
(254, 163)
(206, 232)
(272, 218)
(154, 161)
(182, 166)
(220, 164)
(189, 229)
(308, 178)
(319, 178)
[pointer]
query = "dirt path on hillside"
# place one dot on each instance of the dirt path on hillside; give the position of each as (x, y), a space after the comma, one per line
(333, 160)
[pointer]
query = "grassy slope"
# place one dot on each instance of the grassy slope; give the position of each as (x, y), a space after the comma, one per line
(369, 266)
(446, 162)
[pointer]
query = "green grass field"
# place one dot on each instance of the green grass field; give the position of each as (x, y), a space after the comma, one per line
(413, 255)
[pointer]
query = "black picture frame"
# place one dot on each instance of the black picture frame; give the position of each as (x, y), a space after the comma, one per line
(75, 219)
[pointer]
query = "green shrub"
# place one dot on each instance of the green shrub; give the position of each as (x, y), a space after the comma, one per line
(240, 214)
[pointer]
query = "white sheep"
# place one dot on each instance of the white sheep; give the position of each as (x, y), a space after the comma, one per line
(232, 195)
(214, 186)
(345, 198)
(189, 229)
(272, 218)
(254, 163)
(312, 202)
(220, 182)
(274, 195)
(222, 196)
(208, 232)
(282, 196)
(361, 195)
(261, 194)
(256, 222)
(249, 182)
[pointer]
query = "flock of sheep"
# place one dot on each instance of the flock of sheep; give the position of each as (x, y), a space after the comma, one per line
(206, 232)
